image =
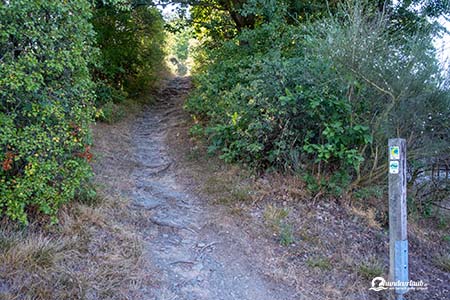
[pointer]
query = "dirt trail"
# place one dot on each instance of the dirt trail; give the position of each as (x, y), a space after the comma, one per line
(197, 250)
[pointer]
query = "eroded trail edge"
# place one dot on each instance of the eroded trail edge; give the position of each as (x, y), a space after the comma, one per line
(196, 252)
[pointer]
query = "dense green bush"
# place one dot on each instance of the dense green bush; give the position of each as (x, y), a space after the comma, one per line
(324, 95)
(131, 41)
(46, 109)
(266, 106)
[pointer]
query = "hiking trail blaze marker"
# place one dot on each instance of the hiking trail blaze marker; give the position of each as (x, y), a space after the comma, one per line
(394, 152)
(398, 242)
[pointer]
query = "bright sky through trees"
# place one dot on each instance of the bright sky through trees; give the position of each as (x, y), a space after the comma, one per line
(443, 44)
(168, 11)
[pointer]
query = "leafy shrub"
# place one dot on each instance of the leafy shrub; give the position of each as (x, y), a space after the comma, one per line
(105, 93)
(264, 108)
(45, 112)
(111, 113)
(324, 95)
(131, 41)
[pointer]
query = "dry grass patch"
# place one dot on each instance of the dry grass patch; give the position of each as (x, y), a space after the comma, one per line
(442, 261)
(319, 262)
(370, 268)
(227, 188)
(90, 255)
(274, 216)
(285, 188)
(366, 214)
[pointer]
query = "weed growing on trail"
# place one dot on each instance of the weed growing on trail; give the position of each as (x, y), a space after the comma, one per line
(370, 268)
(88, 195)
(196, 131)
(286, 234)
(321, 263)
(194, 154)
(111, 113)
(442, 261)
(227, 190)
(306, 236)
(444, 223)
(241, 194)
(275, 218)
(446, 238)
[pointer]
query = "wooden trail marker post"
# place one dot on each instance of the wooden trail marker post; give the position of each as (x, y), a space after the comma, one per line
(398, 242)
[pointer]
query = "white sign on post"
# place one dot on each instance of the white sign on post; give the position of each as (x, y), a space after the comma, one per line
(394, 153)
(394, 167)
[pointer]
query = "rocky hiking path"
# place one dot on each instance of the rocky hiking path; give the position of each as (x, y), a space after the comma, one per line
(196, 251)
